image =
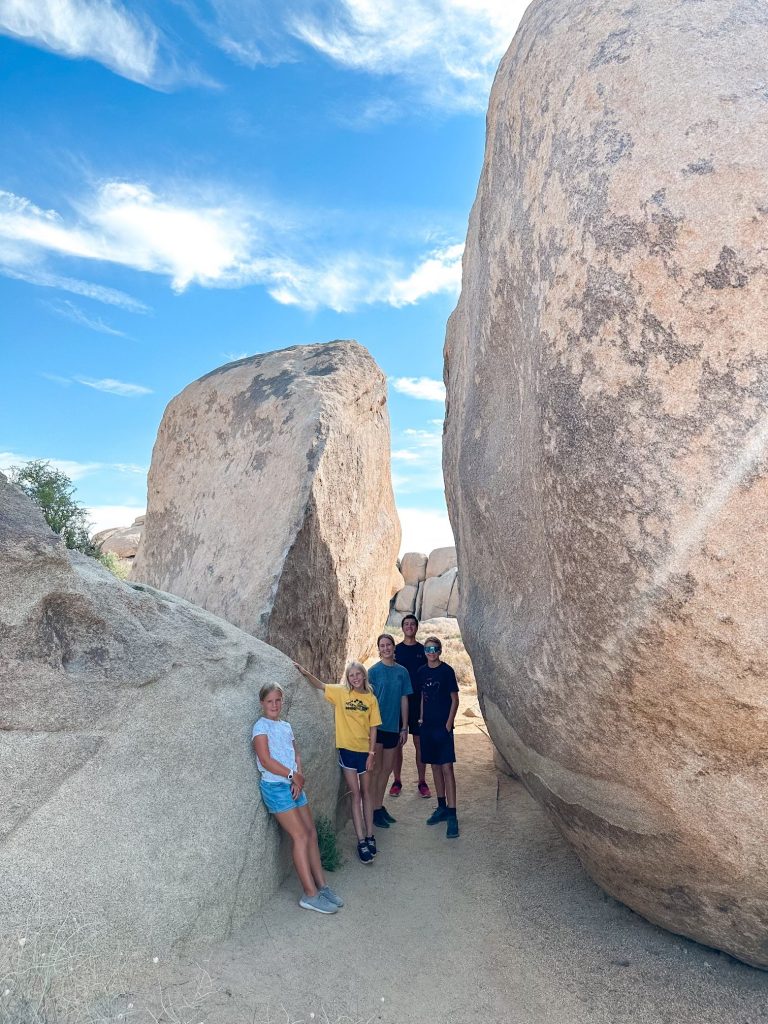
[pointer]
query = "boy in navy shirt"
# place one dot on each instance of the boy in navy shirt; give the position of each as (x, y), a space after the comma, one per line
(410, 654)
(439, 704)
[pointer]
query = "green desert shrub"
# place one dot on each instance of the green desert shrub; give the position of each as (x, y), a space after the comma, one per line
(54, 493)
(330, 856)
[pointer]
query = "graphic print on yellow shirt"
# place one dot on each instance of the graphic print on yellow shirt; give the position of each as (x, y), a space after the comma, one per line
(356, 713)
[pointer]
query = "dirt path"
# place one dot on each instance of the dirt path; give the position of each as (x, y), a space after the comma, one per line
(501, 925)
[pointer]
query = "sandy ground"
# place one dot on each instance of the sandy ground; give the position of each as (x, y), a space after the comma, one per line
(501, 925)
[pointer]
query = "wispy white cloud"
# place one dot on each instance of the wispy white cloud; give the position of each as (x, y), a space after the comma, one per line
(222, 244)
(439, 272)
(417, 464)
(446, 51)
(424, 529)
(102, 30)
(346, 282)
(71, 311)
(105, 517)
(44, 279)
(74, 470)
(114, 387)
(426, 388)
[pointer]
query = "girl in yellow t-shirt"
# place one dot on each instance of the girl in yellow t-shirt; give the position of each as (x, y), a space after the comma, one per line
(357, 717)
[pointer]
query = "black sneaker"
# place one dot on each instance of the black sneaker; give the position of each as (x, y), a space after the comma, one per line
(439, 814)
(388, 817)
(379, 820)
(364, 853)
(371, 843)
(452, 830)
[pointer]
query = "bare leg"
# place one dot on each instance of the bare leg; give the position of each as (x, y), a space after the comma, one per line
(450, 785)
(353, 785)
(365, 786)
(295, 825)
(421, 768)
(315, 865)
(397, 766)
(437, 775)
(384, 762)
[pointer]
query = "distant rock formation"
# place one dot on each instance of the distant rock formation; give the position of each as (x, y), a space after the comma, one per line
(121, 541)
(431, 588)
(128, 790)
(270, 501)
(605, 447)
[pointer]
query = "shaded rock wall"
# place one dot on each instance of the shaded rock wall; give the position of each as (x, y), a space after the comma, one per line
(128, 791)
(605, 455)
(270, 501)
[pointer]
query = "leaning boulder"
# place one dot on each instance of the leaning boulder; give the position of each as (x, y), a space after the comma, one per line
(605, 454)
(437, 595)
(270, 501)
(413, 566)
(440, 560)
(128, 790)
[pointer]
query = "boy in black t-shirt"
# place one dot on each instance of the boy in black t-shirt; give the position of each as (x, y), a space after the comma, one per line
(439, 704)
(410, 654)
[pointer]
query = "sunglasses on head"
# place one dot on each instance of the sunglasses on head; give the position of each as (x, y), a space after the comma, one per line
(431, 649)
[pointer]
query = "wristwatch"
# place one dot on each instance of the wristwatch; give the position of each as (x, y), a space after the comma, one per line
(290, 775)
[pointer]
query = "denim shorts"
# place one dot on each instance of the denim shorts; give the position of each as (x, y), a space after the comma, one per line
(277, 796)
(355, 760)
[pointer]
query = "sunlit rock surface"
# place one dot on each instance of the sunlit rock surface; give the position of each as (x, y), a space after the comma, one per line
(605, 454)
(129, 795)
(270, 501)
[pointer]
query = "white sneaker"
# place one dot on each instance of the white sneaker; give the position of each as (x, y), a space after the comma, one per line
(318, 903)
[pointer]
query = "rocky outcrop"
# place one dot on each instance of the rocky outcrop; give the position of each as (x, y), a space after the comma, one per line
(270, 501)
(437, 594)
(128, 791)
(431, 586)
(440, 561)
(121, 541)
(605, 453)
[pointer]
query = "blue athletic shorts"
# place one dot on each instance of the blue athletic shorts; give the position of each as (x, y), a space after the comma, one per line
(277, 796)
(354, 759)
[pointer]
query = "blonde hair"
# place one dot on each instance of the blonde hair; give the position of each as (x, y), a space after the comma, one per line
(268, 688)
(363, 669)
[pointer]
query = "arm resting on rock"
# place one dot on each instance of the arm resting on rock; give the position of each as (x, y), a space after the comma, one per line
(310, 677)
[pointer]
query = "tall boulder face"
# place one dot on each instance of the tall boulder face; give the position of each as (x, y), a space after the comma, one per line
(128, 790)
(605, 453)
(270, 501)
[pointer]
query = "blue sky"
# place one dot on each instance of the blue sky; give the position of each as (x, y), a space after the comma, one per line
(185, 182)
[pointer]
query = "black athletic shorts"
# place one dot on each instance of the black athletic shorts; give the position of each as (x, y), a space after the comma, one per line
(388, 740)
(437, 745)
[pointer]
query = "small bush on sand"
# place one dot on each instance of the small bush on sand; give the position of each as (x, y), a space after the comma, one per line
(330, 857)
(117, 566)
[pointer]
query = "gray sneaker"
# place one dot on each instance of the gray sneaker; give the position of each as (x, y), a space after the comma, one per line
(318, 903)
(328, 894)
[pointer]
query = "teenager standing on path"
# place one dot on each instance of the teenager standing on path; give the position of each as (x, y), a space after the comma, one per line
(282, 790)
(357, 717)
(392, 685)
(439, 704)
(410, 654)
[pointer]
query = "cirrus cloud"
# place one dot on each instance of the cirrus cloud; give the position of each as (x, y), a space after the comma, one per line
(191, 240)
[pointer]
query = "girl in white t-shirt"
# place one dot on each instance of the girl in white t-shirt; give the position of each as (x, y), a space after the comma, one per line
(282, 790)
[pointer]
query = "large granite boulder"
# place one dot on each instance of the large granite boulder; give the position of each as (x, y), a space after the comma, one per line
(605, 454)
(128, 790)
(270, 501)
(437, 594)
(413, 566)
